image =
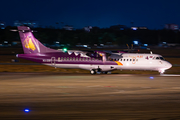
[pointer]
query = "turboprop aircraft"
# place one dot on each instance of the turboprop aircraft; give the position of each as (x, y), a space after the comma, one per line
(94, 62)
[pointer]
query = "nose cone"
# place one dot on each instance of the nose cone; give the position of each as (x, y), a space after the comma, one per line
(168, 65)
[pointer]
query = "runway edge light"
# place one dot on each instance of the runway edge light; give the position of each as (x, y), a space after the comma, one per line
(26, 110)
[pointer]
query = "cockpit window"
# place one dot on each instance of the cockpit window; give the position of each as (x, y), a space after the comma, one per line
(157, 58)
(161, 58)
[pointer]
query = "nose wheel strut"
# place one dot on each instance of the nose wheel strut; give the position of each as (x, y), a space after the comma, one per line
(161, 71)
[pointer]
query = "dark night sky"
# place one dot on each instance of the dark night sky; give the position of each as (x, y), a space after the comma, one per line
(79, 13)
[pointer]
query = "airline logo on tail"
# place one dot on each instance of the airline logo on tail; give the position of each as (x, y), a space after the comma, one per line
(29, 44)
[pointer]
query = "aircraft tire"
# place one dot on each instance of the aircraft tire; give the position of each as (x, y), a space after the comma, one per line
(106, 72)
(93, 72)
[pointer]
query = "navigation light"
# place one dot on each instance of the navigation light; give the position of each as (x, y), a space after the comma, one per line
(65, 49)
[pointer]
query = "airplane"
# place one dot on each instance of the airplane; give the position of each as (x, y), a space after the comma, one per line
(97, 61)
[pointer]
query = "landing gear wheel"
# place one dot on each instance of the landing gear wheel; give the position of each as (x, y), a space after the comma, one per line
(161, 72)
(93, 72)
(105, 72)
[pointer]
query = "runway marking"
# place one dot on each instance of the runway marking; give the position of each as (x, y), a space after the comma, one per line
(110, 86)
(121, 91)
(146, 87)
(175, 87)
(95, 86)
(122, 75)
(65, 93)
(169, 75)
(64, 87)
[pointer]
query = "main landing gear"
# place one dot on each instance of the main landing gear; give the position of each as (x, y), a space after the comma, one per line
(99, 72)
(93, 72)
(106, 72)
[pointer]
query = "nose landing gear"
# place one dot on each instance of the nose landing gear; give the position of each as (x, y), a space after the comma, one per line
(161, 71)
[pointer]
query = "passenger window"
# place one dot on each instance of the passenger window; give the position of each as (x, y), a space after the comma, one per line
(127, 59)
(124, 59)
(130, 59)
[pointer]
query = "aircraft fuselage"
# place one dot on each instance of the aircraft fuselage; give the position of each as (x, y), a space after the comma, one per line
(126, 61)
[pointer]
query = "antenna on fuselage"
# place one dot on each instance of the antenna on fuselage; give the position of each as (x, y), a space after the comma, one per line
(151, 52)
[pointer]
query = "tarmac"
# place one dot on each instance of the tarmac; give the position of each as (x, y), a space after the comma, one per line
(56, 96)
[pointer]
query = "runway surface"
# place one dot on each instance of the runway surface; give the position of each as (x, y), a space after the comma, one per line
(86, 97)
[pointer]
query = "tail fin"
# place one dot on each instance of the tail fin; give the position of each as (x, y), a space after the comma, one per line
(30, 43)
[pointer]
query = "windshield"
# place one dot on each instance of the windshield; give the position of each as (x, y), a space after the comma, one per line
(159, 58)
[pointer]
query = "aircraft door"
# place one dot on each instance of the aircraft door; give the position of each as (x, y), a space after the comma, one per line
(53, 61)
(134, 60)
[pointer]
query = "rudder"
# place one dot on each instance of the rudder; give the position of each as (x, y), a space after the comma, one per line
(30, 43)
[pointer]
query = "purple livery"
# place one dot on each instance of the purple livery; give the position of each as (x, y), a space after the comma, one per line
(95, 62)
(37, 52)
